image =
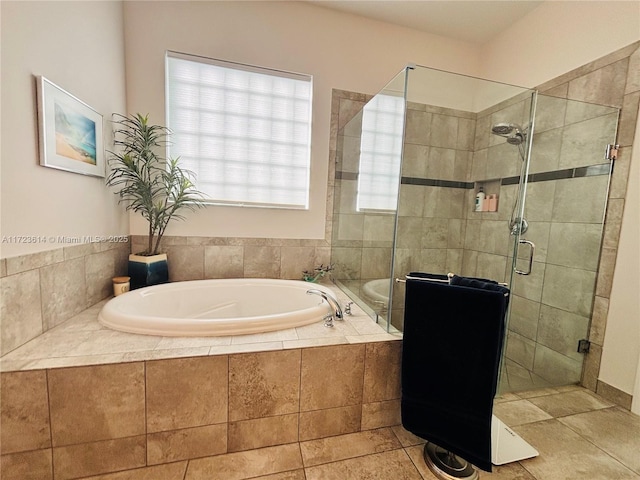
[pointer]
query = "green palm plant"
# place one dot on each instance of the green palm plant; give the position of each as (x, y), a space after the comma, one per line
(149, 184)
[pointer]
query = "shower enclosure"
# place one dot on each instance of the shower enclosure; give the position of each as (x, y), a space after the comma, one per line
(409, 164)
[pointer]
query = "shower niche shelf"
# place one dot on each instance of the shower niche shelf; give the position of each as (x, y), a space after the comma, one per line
(491, 190)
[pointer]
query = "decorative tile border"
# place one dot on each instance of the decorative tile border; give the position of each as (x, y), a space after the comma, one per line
(578, 172)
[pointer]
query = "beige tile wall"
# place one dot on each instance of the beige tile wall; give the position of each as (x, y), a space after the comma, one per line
(77, 422)
(611, 80)
(432, 220)
(198, 258)
(565, 223)
(42, 290)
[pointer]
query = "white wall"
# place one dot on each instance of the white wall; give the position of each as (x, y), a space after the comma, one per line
(559, 36)
(553, 39)
(340, 50)
(620, 366)
(78, 46)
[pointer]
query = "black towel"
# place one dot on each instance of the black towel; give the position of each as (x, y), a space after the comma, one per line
(452, 342)
(435, 276)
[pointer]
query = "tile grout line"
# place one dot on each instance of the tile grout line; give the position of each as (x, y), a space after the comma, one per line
(228, 401)
(364, 370)
(363, 455)
(186, 468)
(146, 415)
(411, 460)
(300, 403)
(617, 460)
(46, 378)
(524, 467)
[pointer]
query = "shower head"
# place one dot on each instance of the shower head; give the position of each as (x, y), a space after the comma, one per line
(513, 132)
(506, 129)
(516, 139)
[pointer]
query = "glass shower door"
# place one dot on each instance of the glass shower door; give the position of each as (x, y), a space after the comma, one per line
(562, 212)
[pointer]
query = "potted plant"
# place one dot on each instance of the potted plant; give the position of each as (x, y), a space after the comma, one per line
(153, 186)
(317, 273)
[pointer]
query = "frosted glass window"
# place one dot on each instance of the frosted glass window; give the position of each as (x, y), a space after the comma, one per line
(245, 131)
(380, 153)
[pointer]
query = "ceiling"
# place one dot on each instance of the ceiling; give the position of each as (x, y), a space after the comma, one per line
(476, 21)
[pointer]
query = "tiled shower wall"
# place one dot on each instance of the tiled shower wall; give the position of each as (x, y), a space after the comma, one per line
(42, 290)
(612, 80)
(552, 306)
(433, 204)
(438, 190)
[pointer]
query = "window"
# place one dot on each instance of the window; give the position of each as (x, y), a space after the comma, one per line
(380, 153)
(245, 131)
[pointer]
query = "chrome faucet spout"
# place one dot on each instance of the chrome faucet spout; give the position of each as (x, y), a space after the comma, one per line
(333, 303)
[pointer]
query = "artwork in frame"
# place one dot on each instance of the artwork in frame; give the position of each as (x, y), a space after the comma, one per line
(71, 136)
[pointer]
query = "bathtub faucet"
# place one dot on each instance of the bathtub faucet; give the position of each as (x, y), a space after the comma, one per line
(333, 303)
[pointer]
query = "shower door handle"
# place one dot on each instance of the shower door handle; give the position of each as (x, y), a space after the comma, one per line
(531, 252)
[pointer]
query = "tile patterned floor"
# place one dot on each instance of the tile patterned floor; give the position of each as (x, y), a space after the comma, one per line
(578, 434)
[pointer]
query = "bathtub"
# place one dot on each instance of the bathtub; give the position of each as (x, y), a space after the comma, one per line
(215, 307)
(377, 291)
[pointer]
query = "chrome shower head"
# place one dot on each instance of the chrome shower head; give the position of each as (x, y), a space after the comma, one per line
(513, 132)
(506, 129)
(516, 139)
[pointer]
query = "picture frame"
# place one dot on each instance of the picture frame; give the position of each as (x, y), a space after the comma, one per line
(70, 131)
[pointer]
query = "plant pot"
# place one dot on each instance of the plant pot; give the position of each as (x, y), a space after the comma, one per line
(148, 270)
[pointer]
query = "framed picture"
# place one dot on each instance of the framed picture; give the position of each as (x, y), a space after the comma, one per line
(70, 132)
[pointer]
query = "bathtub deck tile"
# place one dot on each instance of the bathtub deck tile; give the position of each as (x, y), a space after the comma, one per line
(341, 328)
(77, 361)
(191, 342)
(82, 341)
(15, 365)
(277, 336)
(83, 321)
(109, 341)
(49, 345)
(158, 354)
(380, 337)
(314, 342)
(366, 326)
(247, 347)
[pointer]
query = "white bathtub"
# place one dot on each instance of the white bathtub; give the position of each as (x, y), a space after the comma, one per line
(215, 307)
(377, 291)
